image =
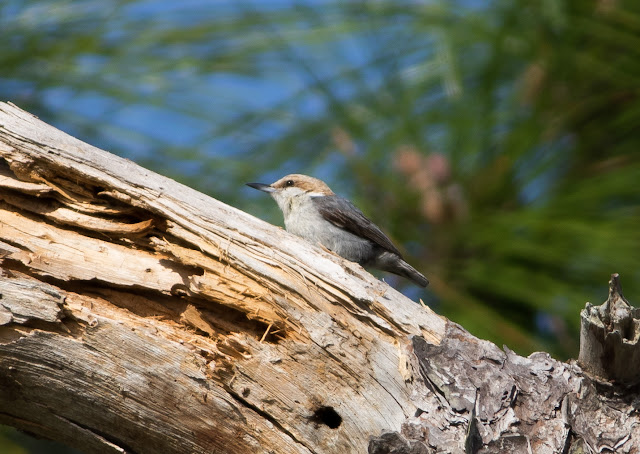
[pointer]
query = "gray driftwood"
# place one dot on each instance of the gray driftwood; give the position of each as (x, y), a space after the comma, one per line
(138, 315)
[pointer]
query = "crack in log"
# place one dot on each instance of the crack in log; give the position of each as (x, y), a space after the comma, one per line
(211, 319)
(89, 224)
(564, 412)
(372, 322)
(473, 439)
(222, 319)
(67, 328)
(406, 414)
(238, 398)
(208, 318)
(9, 334)
(103, 438)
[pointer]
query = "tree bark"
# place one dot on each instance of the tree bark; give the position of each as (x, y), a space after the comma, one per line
(138, 315)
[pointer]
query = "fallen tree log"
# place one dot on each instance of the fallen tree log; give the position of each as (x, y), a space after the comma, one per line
(138, 315)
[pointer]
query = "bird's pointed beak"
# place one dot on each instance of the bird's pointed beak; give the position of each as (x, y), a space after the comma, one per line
(261, 187)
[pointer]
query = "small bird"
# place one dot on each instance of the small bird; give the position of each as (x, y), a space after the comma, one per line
(314, 212)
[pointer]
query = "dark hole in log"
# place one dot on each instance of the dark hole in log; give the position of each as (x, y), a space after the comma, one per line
(327, 416)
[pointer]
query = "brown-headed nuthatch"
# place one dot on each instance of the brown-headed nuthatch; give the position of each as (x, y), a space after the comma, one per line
(312, 211)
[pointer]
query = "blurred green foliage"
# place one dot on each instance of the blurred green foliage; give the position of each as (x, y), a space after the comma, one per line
(14, 442)
(497, 141)
(9, 445)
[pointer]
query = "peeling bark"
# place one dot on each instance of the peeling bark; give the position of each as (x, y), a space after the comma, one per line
(138, 315)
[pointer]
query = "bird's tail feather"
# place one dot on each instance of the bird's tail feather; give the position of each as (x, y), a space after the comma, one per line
(394, 264)
(406, 270)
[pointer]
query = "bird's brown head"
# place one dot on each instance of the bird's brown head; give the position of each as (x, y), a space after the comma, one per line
(294, 184)
(304, 183)
(292, 187)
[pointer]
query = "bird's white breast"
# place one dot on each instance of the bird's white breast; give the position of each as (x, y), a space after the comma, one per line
(301, 217)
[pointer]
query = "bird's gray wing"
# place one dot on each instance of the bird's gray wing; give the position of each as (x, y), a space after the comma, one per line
(344, 214)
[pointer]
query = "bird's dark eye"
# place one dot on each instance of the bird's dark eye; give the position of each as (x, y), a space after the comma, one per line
(289, 183)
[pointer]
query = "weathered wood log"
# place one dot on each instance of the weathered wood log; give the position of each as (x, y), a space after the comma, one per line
(138, 315)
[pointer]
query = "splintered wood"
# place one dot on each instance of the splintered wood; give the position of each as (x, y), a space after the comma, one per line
(195, 325)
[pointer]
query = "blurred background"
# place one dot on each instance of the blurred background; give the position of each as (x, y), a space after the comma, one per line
(497, 142)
